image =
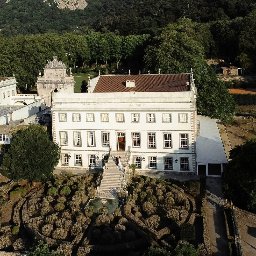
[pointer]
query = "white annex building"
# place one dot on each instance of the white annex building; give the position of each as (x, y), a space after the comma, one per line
(152, 118)
(16, 108)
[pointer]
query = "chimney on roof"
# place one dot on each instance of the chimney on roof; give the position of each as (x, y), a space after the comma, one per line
(159, 71)
(130, 83)
(129, 71)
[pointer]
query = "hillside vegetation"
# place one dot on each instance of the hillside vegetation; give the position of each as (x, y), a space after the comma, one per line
(121, 16)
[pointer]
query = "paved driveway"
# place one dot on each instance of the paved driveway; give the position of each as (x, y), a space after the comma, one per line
(215, 218)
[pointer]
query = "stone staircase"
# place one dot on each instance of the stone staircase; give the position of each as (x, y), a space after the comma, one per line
(113, 175)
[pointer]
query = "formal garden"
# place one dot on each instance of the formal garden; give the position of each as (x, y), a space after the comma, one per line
(152, 215)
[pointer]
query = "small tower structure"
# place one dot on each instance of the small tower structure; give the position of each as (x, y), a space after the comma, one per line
(55, 79)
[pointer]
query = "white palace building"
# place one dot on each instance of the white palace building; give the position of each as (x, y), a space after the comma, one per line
(150, 117)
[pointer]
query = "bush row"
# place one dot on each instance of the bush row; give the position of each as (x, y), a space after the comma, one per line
(244, 99)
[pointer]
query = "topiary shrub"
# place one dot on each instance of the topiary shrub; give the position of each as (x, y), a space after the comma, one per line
(152, 199)
(169, 202)
(47, 230)
(75, 230)
(89, 211)
(153, 221)
(103, 210)
(59, 207)
(15, 230)
(117, 212)
(65, 191)
(51, 219)
(81, 186)
(59, 233)
(120, 228)
(52, 191)
(61, 199)
(148, 208)
(102, 219)
(173, 214)
(187, 232)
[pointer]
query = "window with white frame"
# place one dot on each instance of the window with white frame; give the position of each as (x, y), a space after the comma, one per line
(105, 139)
(136, 139)
(63, 117)
(8, 93)
(92, 160)
(13, 93)
(91, 139)
(4, 95)
(152, 162)
(137, 161)
(78, 160)
(64, 159)
(76, 117)
(167, 140)
(183, 117)
(135, 117)
(119, 117)
(90, 117)
(104, 117)
(152, 140)
(184, 164)
(63, 138)
(4, 137)
(151, 118)
(183, 140)
(77, 139)
(168, 163)
(167, 118)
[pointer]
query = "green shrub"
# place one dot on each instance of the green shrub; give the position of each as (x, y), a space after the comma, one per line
(52, 191)
(244, 99)
(15, 230)
(89, 211)
(156, 251)
(18, 193)
(65, 191)
(21, 190)
(187, 232)
(81, 186)
(59, 207)
(152, 199)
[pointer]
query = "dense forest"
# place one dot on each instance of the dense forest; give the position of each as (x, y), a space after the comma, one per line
(117, 35)
(124, 17)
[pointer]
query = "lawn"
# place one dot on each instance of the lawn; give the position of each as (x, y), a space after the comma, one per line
(79, 78)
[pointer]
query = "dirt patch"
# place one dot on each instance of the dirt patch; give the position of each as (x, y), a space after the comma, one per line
(243, 91)
(241, 130)
(3, 179)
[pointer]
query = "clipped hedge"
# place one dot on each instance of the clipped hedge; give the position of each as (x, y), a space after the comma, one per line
(244, 99)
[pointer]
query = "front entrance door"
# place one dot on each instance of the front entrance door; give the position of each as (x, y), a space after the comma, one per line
(202, 169)
(121, 141)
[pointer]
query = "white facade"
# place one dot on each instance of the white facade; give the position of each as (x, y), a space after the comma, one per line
(157, 128)
(7, 90)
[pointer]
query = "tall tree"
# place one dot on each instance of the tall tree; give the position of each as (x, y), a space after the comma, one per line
(175, 51)
(239, 183)
(31, 156)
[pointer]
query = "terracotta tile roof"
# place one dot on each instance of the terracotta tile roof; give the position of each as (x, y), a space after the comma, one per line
(144, 83)
(4, 78)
